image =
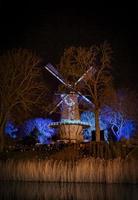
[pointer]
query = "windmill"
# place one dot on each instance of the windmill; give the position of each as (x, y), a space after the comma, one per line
(70, 126)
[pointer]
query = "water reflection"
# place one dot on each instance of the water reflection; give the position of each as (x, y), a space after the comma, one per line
(66, 191)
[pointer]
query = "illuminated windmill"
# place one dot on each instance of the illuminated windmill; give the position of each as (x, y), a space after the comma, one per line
(70, 126)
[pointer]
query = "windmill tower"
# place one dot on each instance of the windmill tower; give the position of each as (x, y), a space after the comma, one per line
(70, 126)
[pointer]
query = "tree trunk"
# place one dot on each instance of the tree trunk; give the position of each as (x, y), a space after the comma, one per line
(97, 125)
(2, 141)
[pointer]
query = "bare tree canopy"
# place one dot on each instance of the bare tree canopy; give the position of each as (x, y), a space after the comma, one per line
(98, 82)
(75, 61)
(20, 85)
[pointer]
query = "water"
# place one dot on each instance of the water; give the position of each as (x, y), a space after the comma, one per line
(66, 191)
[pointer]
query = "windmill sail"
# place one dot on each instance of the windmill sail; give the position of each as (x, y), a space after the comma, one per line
(58, 104)
(85, 98)
(54, 72)
(92, 69)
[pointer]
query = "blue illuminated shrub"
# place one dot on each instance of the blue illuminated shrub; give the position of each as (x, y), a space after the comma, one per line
(127, 130)
(10, 129)
(112, 122)
(27, 127)
(40, 124)
(89, 117)
(119, 124)
(45, 132)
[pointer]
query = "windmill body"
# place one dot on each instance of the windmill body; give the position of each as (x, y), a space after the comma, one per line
(70, 126)
(69, 107)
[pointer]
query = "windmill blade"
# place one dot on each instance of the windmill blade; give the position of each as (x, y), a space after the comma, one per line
(85, 98)
(55, 73)
(83, 76)
(58, 104)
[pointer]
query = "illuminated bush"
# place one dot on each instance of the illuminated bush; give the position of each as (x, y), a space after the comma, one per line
(41, 125)
(89, 117)
(11, 129)
(121, 126)
(116, 122)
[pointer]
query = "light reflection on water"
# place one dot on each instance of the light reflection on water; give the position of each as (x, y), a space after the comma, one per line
(66, 191)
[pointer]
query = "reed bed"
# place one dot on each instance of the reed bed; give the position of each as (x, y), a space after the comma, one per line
(94, 170)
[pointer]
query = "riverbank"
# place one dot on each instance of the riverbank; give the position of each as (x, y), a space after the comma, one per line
(94, 163)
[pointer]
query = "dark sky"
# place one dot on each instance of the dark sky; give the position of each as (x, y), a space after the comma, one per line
(48, 29)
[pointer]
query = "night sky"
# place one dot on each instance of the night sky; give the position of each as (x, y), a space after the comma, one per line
(48, 29)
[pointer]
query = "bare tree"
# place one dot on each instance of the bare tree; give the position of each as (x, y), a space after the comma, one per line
(20, 85)
(123, 115)
(98, 82)
(75, 61)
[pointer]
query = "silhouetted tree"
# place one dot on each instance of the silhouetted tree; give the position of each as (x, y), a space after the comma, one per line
(20, 85)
